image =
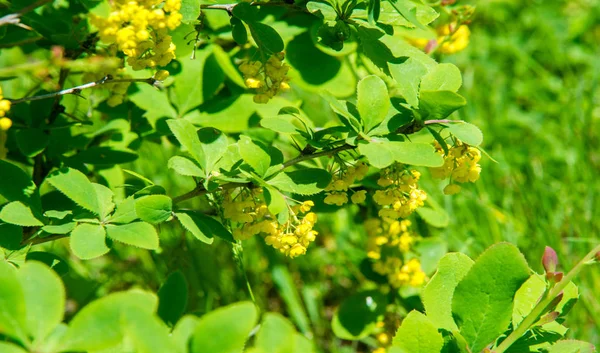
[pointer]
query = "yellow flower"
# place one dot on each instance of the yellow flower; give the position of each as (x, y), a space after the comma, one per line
(161, 75)
(456, 42)
(5, 124)
(359, 196)
(452, 189)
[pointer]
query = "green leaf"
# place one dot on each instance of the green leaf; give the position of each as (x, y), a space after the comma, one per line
(376, 50)
(211, 227)
(76, 186)
(13, 319)
(19, 214)
(444, 77)
(254, 155)
(409, 12)
(55, 262)
(125, 212)
(408, 76)
(435, 216)
(44, 297)
(187, 136)
(417, 334)
(467, 133)
(282, 124)
(289, 293)
(11, 236)
(275, 200)
(341, 108)
(6, 347)
(276, 335)
(238, 31)
(214, 144)
(439, 104)
(266, 37)
(16, 185)
(307, 181)
(100, 324)
(154, 208)
(88, 241)
(105, 200)
(437, 294)
(224, 330)
(417, 154)
(154, 102)
(190, 10)
(358, 314)
(325, 10)
(379, 153)
(373, 101)
(245, 12)
(100, 155)
(190, 87)
(194, 225)
(572, 346)
(223, 58)
(182, 333)
(483, 301)
(32, 141)
(147, 332)
(140, 234)
(172, 298)
(373, 9)
(185, 166)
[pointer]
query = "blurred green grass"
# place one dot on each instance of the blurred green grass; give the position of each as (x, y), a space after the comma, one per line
(532, 81)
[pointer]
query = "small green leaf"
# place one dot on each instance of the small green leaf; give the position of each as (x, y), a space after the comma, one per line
(125, 212)
(104, 155)
(100, 324)
(378, 152)
(444, 77)
(408, 12)
(307, 181)
(483, 301)
(13, 317)
(88, 241)
(6, 347)
(275, 200)
(64, 228)
(44, 297)
(19, 214)
(154, 208)
(245, 12)
(467, 133)
(187, 136)
(105, 200)
(282, 124)
(408, 76)
(417, 154)
(214, 144)
(373, 9)
(437, 294)
(140, 234)
(185, 166)
(16, 185)
(32, 141)
(172, 298)
(223, 58)
(572, 346)
(194, 225)
(266, 37)
(190, 10)
(76, 186)
(276, 335)
(254, 155)
(417, 334)
(358, 314)
(439, 104)
(373, 101)
(224, 330)
(324, 10)
(238, 31)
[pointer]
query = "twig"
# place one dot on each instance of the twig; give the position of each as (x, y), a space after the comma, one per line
(229, 7)
(15, 18)
(543, 304)
(442, 121)
(77, 89)
(35, 241)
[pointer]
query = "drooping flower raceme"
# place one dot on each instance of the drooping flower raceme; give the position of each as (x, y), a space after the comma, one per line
(266, 79)
(400, 194)
(460, 165)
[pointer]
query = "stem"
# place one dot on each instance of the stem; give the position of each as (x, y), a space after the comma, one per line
(78, 89)
(229, 7)
(543, 304)
(442, 121)
(35, 241)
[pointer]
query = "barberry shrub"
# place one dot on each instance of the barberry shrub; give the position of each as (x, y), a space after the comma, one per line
(278, 115)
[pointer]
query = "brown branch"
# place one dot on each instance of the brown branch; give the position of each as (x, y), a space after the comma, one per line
(229, 7)
(77, 89)
(442, 121)
(35, 241)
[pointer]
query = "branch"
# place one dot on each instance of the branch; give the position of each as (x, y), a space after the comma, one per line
(77, 89)
(543, 304)
(229, 7)
(442, 121)
(200, 190)
(15, 18)
(35, 241)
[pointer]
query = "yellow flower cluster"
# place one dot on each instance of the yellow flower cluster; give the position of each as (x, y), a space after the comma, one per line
(460, 165)
(266, 79)
(450, 43)
(400, 195)
(140, 28)
(389, 242)
(5, 123)
(248, 210)
(337, 190)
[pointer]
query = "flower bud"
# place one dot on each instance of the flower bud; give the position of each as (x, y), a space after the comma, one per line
(549, 260)
(161, 75)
